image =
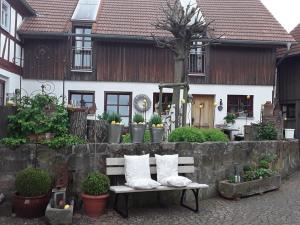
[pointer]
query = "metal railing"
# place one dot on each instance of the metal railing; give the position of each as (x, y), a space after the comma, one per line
(197, 62)
(82, 59)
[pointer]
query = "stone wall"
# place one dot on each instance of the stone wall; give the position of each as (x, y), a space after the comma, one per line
(213, 161)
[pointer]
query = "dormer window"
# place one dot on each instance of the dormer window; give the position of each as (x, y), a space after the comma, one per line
(197, 60)
(82, 50)
(5, 15)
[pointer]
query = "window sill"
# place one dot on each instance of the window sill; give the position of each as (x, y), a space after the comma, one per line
(244, 118)
(197, 74)
(82, 71)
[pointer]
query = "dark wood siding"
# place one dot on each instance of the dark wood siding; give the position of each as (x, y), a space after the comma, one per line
(289, 79)
(239, 65)
(134, 63)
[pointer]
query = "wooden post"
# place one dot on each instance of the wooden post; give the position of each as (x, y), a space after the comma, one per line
(184, 107)
(78, 123)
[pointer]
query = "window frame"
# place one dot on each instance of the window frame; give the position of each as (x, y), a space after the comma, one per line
(9, 16)
(106, 93)
(82, 49)
(2, 98)
(78, 92)
(248, 105)
(197, 49)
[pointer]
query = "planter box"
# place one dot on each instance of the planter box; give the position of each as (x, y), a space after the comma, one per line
(59, 216)
(238, 190)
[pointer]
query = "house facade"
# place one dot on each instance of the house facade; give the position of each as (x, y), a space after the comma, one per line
(289, 81)
(103, 53)
(11, 51)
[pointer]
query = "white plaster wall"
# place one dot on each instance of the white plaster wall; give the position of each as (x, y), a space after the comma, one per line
(261, 94)
(12, 81)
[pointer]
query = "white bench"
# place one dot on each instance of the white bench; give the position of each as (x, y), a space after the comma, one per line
(115, 167)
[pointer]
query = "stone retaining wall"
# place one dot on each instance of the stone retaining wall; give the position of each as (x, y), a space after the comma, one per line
(213, 161)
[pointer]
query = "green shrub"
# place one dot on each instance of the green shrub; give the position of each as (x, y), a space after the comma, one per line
(264, 164)
(96, 184)
(138, 118)
(230, 118)
(13, 142)
(103, 116)
(114, 117)
(214, 135)
(33, 182)
(155, 120)
(126, 138)
(64, 141)
(188, 134)
(267, 131)
(262, 173)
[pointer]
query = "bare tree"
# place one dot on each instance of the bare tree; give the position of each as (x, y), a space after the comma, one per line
(187, 26)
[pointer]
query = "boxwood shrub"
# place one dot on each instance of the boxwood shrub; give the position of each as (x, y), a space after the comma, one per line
(215, 135)
(96, 184)
(33, 182)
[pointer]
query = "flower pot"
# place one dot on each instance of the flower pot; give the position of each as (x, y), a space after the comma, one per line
(114, 133)
(289, 133)
(157, 134)
(94, 206)
(59, 216)
(30, 207)
(137, 132)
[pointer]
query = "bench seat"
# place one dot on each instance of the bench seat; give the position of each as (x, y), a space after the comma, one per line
(125, 189)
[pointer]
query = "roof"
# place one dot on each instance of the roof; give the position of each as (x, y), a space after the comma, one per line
(243, 20)
(238, 20)
(295, 49)
(27, 6)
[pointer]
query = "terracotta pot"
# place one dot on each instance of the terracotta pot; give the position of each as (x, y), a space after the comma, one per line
(30, 207)
(94, 206)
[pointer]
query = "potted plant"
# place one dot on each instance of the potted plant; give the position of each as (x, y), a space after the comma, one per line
(95, 193)
(33, 193)
(156, 129)
(137, 129)
(115, 128)
(230, 119)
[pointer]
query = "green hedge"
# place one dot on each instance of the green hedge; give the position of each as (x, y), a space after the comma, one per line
(193, 134)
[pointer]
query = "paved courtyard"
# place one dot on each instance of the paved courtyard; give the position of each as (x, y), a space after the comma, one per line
(281, 207)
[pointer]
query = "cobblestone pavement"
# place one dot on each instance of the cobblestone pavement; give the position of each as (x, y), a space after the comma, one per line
(280, 207)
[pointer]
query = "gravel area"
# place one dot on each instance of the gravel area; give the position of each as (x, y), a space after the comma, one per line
(280, 207)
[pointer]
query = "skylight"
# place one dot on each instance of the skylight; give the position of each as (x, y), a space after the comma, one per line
(86, 10)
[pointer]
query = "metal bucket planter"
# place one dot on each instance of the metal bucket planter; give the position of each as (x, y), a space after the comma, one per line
(114, 133)
(157, 134)
(137, 132)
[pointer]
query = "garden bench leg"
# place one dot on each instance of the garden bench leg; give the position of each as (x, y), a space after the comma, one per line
(196, 194)
(123, 213)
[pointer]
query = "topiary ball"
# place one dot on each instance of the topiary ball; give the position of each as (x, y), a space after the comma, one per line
(96, 184)
(187, 134)
(33, 182)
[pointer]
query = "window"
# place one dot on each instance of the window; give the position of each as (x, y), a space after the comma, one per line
(240, 105)
(120, 103)
(289, 111)
(2, 92)
(86, 10)
(82, 50)
(197, 60)
(166, 101)
(81, 98)
(5, 15)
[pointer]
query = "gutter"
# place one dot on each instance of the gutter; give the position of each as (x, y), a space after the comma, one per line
(28, 7)
(146, 38)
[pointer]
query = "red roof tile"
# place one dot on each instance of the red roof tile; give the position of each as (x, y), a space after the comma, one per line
(295, 49)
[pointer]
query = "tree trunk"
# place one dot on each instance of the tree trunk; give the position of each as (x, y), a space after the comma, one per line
(78, 123)
(101, 129)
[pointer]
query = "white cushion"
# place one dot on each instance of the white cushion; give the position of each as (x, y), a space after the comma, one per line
(143, 184)
(137, 172)
(177, 181)
(166, 166)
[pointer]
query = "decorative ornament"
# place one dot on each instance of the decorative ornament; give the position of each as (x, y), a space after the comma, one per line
(142, 103)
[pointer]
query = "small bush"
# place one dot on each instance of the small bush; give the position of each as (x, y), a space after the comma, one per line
(138, 118)
(264, 164)
(114, 117)
(13, 142)
(267, 131)
(33, 182)
(126, 138)
(188, 134)
(230, 118)
(214, 135)
(64, 141)
(96, 184)
(155, 120)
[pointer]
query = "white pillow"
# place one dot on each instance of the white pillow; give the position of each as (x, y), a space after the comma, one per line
(143, 184)
(137, 172)
(177, 181)
(166, 166)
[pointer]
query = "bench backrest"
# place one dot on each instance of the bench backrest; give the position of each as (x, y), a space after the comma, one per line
(115, 166)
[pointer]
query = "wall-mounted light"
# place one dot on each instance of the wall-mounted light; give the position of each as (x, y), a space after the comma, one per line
(201, 105)
(248, 97)
(220, 107)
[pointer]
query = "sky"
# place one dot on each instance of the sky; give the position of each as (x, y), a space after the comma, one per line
(287, 12)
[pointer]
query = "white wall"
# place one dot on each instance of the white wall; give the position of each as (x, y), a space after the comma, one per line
(12, 81)
(261, 94)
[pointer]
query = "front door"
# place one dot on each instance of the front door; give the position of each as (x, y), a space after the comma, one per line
(203, 111)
